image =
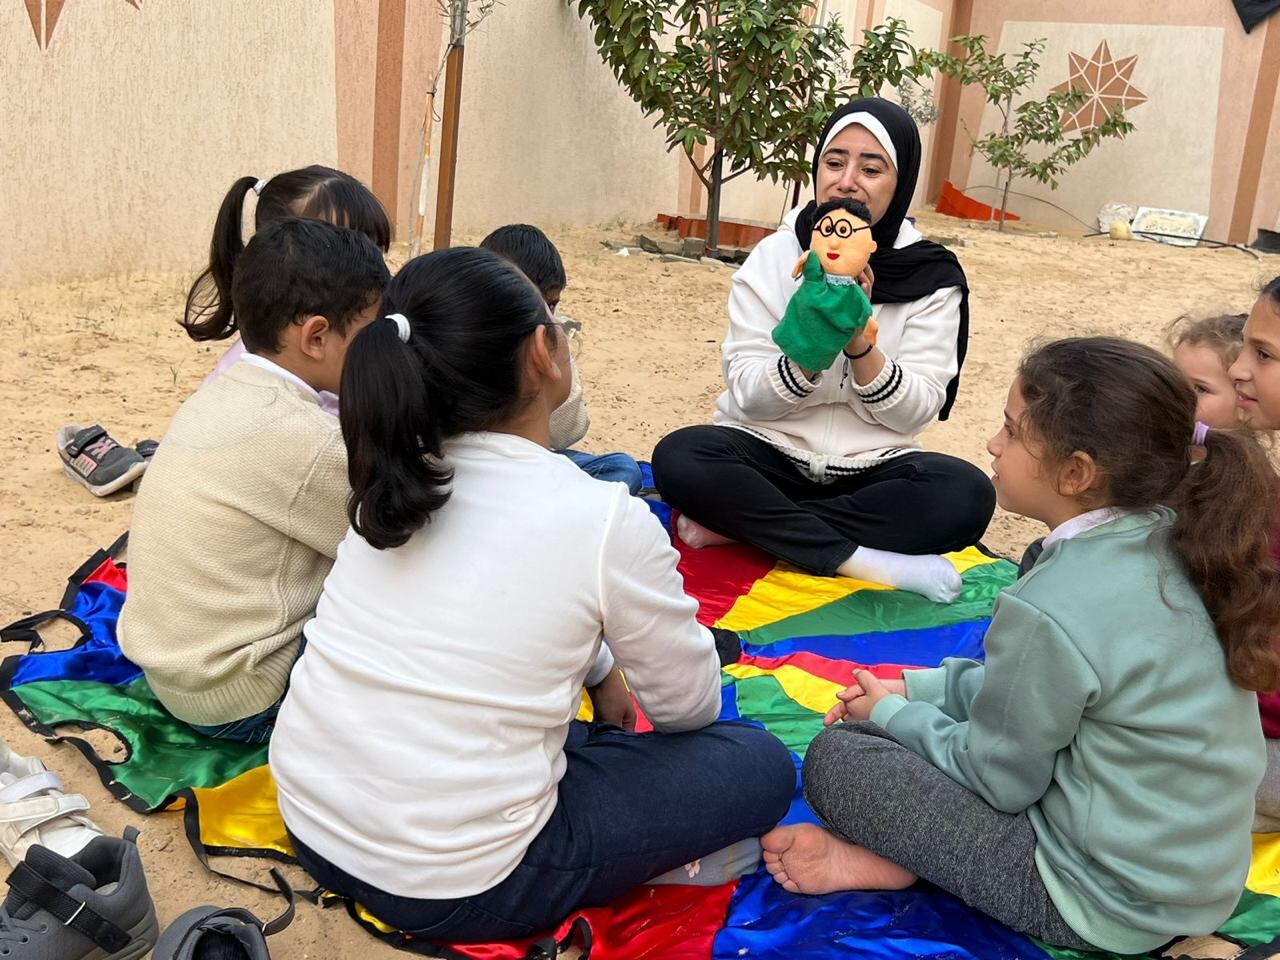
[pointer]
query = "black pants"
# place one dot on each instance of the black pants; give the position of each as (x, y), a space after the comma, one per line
(742, 487)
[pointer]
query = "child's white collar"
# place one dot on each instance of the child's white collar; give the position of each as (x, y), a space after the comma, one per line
(1085, 521)
(272, 367)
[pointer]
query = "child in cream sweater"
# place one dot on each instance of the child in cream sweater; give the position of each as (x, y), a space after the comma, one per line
(244, 504)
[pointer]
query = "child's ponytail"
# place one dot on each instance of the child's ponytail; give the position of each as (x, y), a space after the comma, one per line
(443, 357)
(392, 432)
(208, 314)
(1133, 412)
(1227, 513)
(312, 193)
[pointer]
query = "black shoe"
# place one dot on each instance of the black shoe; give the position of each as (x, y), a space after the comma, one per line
(208, 933)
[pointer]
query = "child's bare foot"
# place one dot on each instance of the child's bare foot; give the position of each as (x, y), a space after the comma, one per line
(807, 859)
(696, 535)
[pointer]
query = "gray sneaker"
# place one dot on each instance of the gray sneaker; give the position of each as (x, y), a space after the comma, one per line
(207, 933)
(92, 906)
(91, 457)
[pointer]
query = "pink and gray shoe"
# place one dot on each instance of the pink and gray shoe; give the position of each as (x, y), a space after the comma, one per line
(92, 458)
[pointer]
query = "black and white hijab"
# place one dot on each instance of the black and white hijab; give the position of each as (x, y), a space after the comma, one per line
(903, 274)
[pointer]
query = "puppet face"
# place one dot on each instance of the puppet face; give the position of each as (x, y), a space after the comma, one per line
(843, 243)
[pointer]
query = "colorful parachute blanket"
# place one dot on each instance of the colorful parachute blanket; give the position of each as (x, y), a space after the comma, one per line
(802, 635)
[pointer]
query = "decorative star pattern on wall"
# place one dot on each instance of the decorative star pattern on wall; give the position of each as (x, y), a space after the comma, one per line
(44, 17)
(1108, 84)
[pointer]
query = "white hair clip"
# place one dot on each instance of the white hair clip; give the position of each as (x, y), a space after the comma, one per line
(402, 325)
(257, 187)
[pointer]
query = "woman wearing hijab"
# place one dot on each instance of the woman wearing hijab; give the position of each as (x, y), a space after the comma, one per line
(822, 468)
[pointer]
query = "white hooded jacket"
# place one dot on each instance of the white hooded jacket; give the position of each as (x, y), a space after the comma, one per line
(832, 426)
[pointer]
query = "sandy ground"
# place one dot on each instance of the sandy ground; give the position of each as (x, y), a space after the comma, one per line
(110, 351)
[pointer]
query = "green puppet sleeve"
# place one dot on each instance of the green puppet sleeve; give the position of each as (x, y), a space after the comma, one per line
(821, 318)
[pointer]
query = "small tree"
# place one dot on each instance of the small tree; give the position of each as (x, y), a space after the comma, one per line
(887, 57)
(752, 78)
(459, 21)
(884, 58)
(1034, 125)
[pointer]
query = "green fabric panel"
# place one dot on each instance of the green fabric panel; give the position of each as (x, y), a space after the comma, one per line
(1256, 920)
(880, 611)
(165, 754)
(763, 699)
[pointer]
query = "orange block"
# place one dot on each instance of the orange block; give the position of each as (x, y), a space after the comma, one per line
(953, 203)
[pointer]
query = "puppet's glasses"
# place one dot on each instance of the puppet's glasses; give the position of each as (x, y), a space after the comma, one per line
(842, 228)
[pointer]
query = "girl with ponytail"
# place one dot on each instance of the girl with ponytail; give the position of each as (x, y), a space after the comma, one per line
(463, 616)
(1255, 376)
(1104, 759)
(313, 193)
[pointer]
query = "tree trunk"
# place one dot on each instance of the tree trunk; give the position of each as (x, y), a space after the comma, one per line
(1004, 132)
(449, 124)
(712, 245)
(1004, 202)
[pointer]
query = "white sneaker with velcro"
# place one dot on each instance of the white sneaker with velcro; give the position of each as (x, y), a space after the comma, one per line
(34, 810)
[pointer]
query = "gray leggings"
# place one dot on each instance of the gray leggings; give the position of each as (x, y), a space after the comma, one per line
(870, 790)
(1266, 817)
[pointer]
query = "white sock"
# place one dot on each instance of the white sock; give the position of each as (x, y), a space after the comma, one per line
(696, 535)
(929, 575)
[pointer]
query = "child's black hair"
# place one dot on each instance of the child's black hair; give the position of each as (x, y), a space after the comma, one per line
(315, 192)
(1272, 292)
(853, 207)
(529, 249)
(298, 268)
(470, 315)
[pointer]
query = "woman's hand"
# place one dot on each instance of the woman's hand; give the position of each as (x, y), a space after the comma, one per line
(858, 700)
(611, 701)
(866, 337)
(867, 280)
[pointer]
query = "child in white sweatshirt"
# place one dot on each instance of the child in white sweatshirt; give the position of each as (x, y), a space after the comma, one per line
(427, 757)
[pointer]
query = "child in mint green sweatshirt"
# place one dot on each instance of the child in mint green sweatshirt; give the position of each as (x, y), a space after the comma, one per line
(1092, 783)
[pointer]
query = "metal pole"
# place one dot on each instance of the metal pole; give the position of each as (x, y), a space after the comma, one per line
(449, 124)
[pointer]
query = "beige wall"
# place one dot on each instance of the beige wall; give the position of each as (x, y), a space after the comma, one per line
(927, 22)
(547, 135)
(122, 136)
(136, 121)
(132, 121)
(1269, 188)
(355, 54)
(1195, 63)
(1168, 161)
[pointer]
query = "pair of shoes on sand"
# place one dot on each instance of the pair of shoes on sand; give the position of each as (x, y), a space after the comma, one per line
(95, 905)
(92, 458)
(76, 894)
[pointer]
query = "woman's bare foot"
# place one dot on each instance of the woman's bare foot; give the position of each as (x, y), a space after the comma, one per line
(696, 535)
(807, 859)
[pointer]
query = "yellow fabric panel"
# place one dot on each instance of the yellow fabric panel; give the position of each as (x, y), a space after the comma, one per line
(242, 814)
(812, 693)
(585, 711)
(967, 559)
(1264, 871)
(787, 592)
(369, 918)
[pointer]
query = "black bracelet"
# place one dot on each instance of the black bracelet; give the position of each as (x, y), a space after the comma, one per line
(859, 356)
